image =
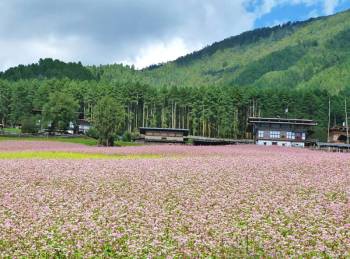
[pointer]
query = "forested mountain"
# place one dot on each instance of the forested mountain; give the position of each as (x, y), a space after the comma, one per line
(48, 68)
(212, 92)
(301, 55)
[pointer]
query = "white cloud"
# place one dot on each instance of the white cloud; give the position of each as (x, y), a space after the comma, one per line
(204, 24)
(107, 31)
(329, 6)
(142, 32)
(30, 50)
(314, 13)
(159, 52)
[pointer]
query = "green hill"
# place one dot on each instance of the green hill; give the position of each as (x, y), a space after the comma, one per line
(309, 54)
(48, 68)
(303, 54)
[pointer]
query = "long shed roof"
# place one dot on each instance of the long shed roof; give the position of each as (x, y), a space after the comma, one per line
(304, 122)
(144, 129)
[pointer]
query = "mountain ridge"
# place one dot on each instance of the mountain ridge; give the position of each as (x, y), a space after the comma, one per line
(298, 54)
(223, 65)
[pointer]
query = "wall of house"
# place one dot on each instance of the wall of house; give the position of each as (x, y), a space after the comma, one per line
(84, 128)
(279, 143)
(164, 136)
(164, 133)
(163, 139)
(281, 135)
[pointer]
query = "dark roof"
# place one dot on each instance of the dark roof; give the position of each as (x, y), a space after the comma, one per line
(305, 122)
(336, 145)
(339, 128)
(144, 129)
(83, 122)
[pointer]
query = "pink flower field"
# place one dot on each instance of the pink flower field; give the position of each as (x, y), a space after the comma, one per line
(231, 201)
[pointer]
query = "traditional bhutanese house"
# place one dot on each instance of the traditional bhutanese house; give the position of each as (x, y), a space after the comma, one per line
(338, 134)
(280, 132)
(165, 135)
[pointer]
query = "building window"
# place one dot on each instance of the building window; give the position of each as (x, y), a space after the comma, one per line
(298, 136)
(290, 135)
(303, 136)
(260, 134)
(275, 134)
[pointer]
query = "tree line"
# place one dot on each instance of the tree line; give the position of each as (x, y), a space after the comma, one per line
(213, 111)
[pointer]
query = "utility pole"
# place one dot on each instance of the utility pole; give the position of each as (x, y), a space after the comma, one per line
(329, 117)
(346, 123)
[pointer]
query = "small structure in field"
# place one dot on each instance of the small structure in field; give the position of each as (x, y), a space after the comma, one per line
(338, 134)
(165, 135)
(83, 126)
(280, 131)
(80, 127)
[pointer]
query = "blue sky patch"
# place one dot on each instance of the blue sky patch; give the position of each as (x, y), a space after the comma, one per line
(293, 12)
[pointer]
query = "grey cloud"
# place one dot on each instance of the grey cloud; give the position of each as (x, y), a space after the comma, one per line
(106, 31)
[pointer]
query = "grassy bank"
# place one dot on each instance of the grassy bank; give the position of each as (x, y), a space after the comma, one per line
(70, 155)
(77, 140)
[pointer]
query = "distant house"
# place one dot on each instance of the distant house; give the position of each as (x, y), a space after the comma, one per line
(280, 132)
(81, 127)
(338, 134)
(165, 135)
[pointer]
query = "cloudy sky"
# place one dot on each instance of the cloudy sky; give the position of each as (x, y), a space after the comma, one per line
(139, 32)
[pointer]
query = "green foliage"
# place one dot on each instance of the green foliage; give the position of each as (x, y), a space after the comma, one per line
(29, 125)
(60, 110)
(48, 68)
(77, 140)
(11, 130)
(108, 118)
(5, 95)
(296, 50)
(341, 41)
(127, 136)
(92, 133)
(247, 38)
(276, 61)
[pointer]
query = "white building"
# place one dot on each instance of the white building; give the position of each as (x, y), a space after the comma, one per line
(280, 132)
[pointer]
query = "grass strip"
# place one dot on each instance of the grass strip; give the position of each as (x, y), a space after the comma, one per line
(71, 155)
(79, 140)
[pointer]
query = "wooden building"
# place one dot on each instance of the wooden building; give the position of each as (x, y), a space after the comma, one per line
(338, 134)
(280, 131)
(165, 135)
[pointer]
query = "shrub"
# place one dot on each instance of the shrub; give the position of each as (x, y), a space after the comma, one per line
(29, 125)
(92, 133)
(127, 136)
